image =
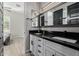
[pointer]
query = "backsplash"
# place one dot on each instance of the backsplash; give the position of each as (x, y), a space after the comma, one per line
(68, 29)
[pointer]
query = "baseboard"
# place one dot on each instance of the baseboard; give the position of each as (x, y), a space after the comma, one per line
(16, 36)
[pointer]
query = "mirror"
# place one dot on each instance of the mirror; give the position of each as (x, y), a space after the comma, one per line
(73, 14)
(35, 22)
(42, 18)
(48, 18)
(58, 15)
(67, 16)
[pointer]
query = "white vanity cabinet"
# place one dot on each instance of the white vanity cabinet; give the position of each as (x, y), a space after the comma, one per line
(51, 47)
(40, 46)
(36, 45)
(61, 50)
(49, 51)
(43, 47)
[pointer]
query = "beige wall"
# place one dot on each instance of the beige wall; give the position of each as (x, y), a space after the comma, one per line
(16, 23)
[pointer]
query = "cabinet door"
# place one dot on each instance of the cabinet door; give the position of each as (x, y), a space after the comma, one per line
(49, 52)
(33, 45)
(62, 49)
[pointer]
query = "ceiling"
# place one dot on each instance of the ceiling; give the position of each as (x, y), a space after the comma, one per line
(14, 6)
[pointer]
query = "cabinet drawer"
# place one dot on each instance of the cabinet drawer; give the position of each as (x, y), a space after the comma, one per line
(41, 48)
(40, 53)
(40, 41)
(61, 48)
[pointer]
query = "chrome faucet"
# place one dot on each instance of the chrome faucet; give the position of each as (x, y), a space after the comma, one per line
(43, 32)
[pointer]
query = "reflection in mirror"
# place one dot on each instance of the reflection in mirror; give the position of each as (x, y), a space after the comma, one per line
(65, 20)
(58, 16)
(35, 22)
(42, 17)
(73, 14)
(48, 18)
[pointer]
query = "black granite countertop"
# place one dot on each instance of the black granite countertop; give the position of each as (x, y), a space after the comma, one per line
(68, 44)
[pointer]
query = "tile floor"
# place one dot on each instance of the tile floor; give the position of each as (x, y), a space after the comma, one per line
(15, 48)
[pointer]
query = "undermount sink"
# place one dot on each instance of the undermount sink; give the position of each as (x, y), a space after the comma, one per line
(38, 33)
(65, 39)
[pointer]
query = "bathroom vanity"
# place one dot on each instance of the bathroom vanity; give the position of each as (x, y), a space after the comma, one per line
(53, 45)
(58, 33)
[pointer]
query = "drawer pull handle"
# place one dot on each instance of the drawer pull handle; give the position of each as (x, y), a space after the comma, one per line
(32, 42)
(39, 46)
(39, 40)
(39, 51)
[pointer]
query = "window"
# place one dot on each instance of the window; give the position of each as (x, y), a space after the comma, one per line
(6, 23)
